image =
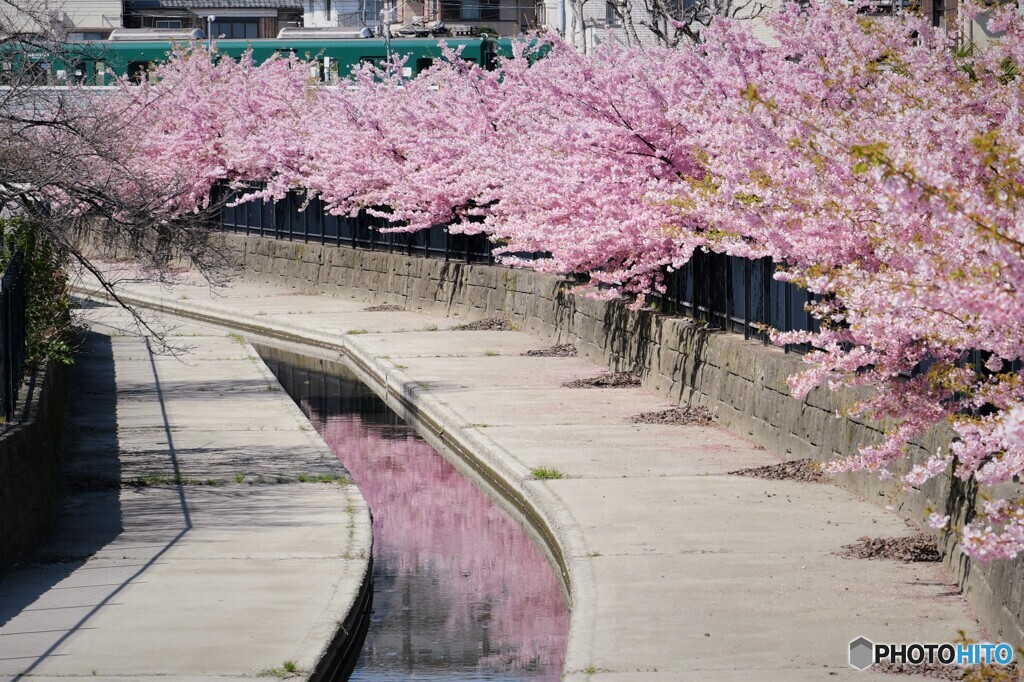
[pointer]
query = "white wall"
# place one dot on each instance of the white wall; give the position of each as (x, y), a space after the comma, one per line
(93, 15)
(344, 13)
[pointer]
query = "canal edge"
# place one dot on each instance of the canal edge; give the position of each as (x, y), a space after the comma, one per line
(336, 653)
(547, 515)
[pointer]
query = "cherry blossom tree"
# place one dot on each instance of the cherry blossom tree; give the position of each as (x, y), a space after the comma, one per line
(880, 163)
(876, 158)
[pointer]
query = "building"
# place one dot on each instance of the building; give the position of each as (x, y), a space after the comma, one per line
(506, 17)
(88, 19)
(586, 24)
(223, 18)
(264, 18)
(342, 13)
(465, 17)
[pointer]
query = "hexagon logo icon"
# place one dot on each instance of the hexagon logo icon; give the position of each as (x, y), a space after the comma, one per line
(862, 653)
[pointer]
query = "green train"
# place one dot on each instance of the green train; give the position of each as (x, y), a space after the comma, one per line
(134, 53)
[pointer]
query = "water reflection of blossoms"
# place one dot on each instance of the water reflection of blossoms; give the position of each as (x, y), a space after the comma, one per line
(493, 583)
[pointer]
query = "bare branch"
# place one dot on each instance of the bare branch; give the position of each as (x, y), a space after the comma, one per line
(66, 166)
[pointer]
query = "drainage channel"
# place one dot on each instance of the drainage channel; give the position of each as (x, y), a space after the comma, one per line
(461, 591)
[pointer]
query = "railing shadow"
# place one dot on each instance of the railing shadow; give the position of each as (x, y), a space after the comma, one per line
(91, 518)
(28, 581)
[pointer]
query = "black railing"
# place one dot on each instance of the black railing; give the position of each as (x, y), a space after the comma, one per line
(300, 219)
(13, 297)
(738, 295)
(730, 293)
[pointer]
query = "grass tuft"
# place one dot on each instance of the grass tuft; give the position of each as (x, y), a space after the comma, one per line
(321, 478)
(287, 669)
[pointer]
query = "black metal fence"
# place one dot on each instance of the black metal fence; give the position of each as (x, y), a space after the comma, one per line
(13, 297)
(738, 295)
(301, 219)
(735, 294)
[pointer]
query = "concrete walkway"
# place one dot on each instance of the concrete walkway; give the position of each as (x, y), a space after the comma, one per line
(677, 571)
(186, 548)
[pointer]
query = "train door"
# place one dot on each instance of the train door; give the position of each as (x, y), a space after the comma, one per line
(329, 70)
(77, 72)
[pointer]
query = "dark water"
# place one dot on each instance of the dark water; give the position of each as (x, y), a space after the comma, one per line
(461, 592)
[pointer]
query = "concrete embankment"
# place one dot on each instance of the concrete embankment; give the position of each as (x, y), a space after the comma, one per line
(742, 382)
(675, 569)
(205, 532)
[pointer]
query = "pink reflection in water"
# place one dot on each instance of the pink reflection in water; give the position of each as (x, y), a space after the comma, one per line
(497, 601)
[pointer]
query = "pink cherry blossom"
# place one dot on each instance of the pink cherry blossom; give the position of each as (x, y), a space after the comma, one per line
(877, 161)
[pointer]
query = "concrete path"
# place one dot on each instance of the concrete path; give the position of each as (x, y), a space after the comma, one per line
(187, 549)
(677, 571)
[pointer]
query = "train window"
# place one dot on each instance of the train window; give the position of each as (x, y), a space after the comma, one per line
(101, 73)
(138, 71)
(423, 63)
(38, 72)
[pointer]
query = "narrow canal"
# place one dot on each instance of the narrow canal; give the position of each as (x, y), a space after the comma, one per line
(461, 592)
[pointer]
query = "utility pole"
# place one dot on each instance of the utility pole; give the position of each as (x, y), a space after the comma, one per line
(385, 20)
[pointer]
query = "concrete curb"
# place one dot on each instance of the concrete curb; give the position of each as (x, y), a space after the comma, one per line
(336, 653)
(445, 431)
(532, 499)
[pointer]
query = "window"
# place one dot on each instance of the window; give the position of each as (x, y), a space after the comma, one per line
(369, 12)
(612, 17)
(470, 10)
(235, 28)
(138, 71)
(167, 23)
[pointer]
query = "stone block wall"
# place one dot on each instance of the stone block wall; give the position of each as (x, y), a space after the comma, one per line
(743, 382)
(29, 462)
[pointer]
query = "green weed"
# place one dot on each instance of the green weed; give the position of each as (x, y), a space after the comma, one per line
(546, 474)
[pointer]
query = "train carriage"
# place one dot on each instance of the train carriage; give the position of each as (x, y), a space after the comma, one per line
(331, 59)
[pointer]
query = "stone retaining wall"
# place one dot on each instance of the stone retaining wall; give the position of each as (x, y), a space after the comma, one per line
(29, 462)
(742, 382)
